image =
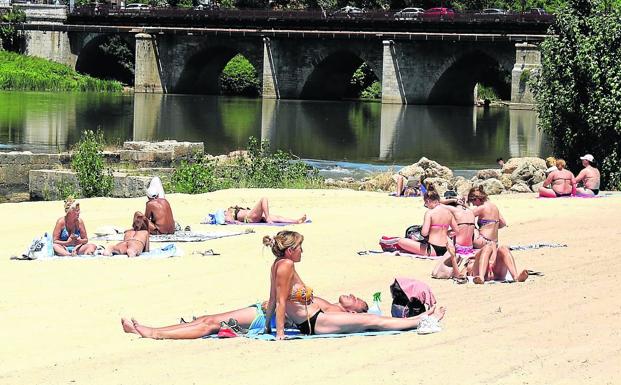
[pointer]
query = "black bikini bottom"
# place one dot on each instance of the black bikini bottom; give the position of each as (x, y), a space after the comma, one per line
(440, 250)
(558, 195)
(595, 190)
(308, 327)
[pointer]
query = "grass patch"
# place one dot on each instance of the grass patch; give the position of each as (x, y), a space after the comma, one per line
(26, 73)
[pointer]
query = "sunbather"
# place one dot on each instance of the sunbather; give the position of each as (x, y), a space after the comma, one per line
(488, 217)
(135, 240)
(407, 187)
(252, 317)
(158, 210)
(290, 297)
(438, 220)
(559, 183)
(259, 213)
(69, 235)
(589, 177)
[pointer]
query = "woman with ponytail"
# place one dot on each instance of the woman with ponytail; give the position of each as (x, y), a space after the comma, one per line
(291, 297)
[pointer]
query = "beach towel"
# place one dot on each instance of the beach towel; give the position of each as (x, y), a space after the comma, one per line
(394, 195)
(208, 220)
(414, 288)
(166, 251)
(295, 334)
(178, 236)
(399, 253)
(533, 246)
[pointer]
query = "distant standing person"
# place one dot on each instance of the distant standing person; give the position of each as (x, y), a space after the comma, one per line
(158, 210)
(589, 176)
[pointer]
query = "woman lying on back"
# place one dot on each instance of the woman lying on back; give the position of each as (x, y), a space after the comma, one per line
(135, 240)
(290, 297)
(259, 213)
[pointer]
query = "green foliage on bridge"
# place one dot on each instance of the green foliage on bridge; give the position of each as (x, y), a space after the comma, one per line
(578, 91)
(9, 37)
(25, 73)
(239, 77)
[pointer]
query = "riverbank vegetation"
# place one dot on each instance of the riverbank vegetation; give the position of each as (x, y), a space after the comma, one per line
(257, 167)
(25, 73)
(578, 90)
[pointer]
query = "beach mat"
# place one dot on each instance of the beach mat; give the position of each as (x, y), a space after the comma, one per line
(394, 195)
(399, 253)
(606, 195)
(178, 236)
(205, 222)
(293, 334)
(534, 246)
(166, 251)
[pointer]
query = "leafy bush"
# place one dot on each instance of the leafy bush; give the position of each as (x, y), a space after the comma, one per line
(362, 81)
(486, 93)
(88, 163)
(9, 37)
(259, 168)
(239, 77)
(578, 91)
(374, 91)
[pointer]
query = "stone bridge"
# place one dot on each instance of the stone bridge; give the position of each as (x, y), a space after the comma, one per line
(414, 68)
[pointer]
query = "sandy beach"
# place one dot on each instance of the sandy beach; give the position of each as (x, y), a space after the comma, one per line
(60, 318)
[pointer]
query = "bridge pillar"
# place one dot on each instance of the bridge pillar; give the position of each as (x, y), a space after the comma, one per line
(147, 75)
(270, 81)
(393, 91)
(527, 60)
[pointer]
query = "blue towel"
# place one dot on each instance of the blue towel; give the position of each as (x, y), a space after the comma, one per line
(295, 334)
(206, 222)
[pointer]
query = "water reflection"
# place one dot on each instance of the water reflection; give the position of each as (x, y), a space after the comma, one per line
(464, 137)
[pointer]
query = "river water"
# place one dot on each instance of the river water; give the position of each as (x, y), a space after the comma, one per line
(336, 136)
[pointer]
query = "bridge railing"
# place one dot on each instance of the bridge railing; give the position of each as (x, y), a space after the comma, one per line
(102, 10)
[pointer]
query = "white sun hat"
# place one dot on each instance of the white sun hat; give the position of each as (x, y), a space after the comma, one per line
(588, 157)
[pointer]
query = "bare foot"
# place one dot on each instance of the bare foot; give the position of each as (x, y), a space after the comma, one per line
(523, 276)
(478, 280)
(302, 219)
(439, 313)
(128, 326)
(144, 331)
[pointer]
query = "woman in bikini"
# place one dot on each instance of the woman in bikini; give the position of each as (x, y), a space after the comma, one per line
(252, 317)
(260, 213)
(135, 240)
(438, 220)
(290, 297)
(494, 263)
(561, 182)
(589, 177)
(69, 235)
(460, 259)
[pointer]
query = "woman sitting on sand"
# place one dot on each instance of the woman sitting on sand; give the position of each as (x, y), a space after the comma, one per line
(70, 237)
(407, 187)
(252, 317)
(135, 240)
(435, 228)
(494, 261)
(290, 297)
(460, 260)
(260, 213)
(561, 182)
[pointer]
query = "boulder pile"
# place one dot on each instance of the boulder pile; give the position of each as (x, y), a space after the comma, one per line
(518, 175)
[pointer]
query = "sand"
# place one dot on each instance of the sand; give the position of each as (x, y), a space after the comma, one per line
(60, 319)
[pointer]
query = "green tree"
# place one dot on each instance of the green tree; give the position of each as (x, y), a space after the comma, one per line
(9, 36)
(239, 77)
(578, 91)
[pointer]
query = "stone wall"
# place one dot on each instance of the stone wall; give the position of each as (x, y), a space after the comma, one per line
(159, 154)
(46, 184)
(14, 167)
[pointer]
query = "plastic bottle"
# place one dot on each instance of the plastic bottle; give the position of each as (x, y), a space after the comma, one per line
(375, 308)
(50, 247)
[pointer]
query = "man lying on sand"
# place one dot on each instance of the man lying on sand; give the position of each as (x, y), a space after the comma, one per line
(252, 317)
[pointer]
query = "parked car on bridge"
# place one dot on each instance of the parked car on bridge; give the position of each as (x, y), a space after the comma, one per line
(439, 13)
(409, 14)
(348, 12)
(137, 6)
(538, 15)
(495, 14)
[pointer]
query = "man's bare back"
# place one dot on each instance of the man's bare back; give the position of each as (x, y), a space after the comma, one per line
(160, 216)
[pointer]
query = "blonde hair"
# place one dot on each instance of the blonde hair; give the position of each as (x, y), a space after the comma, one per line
(282, 241)
(71, 204)
(560, 164)
(550, 161)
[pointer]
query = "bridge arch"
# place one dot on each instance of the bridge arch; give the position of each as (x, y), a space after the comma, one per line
(330, 77)
(455, 80)
(201, 72)
(108, 56)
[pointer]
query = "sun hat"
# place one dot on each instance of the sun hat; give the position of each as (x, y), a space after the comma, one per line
(588, 157)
